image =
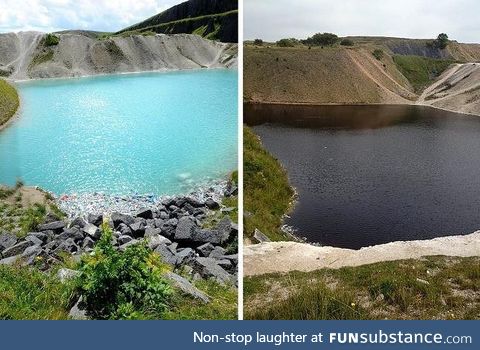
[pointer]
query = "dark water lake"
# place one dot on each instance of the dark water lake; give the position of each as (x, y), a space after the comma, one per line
(368, 175)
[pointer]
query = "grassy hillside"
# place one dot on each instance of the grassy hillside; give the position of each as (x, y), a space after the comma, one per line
(429, 288)
(370, 70)
(267, 193)
(421, 71)
(322, 75)
(8, 101)
(212, 19)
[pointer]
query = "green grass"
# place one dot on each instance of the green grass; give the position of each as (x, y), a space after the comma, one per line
(267, 192)
(28, 294)
(421, 71)
(386, 290)
(41, 57)
(9, 101)
(18, 218)
(222, 306)
(168, 27)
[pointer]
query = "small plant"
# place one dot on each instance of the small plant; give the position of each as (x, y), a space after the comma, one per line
(347, 42)
(123, 285)
(51, 40)
(378, 54)
(33, 217)
(19, 184)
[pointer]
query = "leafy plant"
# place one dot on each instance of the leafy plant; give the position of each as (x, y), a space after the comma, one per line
(51, 40)
(258, 42)
(123, 285)
(378, 54)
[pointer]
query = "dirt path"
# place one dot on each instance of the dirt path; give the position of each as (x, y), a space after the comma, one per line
(289, 256)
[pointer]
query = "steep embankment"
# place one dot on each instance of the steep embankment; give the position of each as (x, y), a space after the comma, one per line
(28, 55)
(212, 19)
(402, 69)
(329, 75)
(458, 89)
(8, 102)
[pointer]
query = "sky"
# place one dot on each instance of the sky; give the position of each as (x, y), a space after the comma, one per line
(54, 15)
(271, 20)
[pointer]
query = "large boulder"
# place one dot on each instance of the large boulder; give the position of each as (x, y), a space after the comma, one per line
(260, 237)
(154, 241)
(7, 240)
(205, 249)
(208, 268)
(92, 231)
(138, 229)
(119, 218)
(166, 254)
(95, 219)
(168, 227)
(185, 229)
(145, 213)
(16, 249)
(56, 226)
(184, 256)
(73, 233)
(212, 204)
(186, 287)
(78, 222)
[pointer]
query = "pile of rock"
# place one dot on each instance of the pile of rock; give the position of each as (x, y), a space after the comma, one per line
(172, 228)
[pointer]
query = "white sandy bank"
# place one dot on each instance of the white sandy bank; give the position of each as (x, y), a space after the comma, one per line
(289, 256)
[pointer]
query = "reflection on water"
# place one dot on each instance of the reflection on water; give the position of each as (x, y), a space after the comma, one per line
(374, 174)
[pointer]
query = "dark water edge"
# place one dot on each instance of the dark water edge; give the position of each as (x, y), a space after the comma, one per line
(373, 174)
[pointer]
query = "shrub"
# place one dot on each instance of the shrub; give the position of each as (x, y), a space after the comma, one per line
(51, 40)
(346, 42)
(123, 285)
(322, 39)
(258, 42)
(285, 43)
(378, 54)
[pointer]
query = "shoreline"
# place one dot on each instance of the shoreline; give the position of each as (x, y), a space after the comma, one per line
(81, 204)
(159, 71)
(356, 104)
(281, 257)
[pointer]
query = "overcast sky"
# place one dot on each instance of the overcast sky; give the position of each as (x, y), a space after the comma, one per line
(53, 15)
(275, 19)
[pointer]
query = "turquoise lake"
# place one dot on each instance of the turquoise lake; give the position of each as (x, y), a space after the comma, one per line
(148, 133)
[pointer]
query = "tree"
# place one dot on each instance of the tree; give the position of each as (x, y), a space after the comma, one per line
(258, 42)
(442, 41)
(322, 39)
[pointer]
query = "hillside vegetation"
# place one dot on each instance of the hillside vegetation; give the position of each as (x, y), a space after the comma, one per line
(429, 288)
(8, 101)
(267, 191)
(212, 19)
(325, 69)
(421, 71)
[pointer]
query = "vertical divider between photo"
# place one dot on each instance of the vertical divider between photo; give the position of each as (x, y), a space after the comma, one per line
(240, 160)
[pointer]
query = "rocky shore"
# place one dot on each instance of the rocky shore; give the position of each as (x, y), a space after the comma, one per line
(173, 227)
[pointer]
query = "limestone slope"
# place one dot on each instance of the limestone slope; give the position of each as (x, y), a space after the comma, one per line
(458, 89)
(25, 55)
